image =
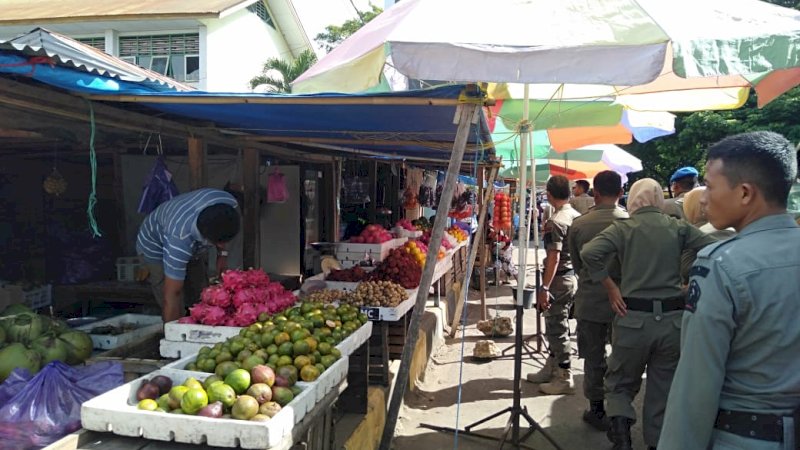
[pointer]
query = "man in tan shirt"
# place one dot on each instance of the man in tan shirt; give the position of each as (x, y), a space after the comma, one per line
(581, 200)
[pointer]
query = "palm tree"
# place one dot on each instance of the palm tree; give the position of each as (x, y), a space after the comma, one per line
(286, 72)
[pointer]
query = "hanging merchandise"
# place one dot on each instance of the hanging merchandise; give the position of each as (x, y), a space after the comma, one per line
(355, 191)
(413, 188)
(55, 184)
(158, 186)
(428, 195)
(277, 192)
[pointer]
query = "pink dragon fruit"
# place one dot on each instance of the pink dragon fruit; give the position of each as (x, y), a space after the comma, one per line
(207, 314)
(246, 315)
(234, 280)
(256, 278)
(216, 295)
(243, 296)
(262, 308)
(230, 322)
(187, 320)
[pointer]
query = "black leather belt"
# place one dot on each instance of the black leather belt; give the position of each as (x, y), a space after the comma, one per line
(565, 272)
(646, 304)
(764, 427)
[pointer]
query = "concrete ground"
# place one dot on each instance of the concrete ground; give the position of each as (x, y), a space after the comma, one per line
(486, 388)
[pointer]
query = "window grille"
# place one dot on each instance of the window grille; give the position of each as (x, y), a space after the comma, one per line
(173, 55)
(260, 9)
(96, 42)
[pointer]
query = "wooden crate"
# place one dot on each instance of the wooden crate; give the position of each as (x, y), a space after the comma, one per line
(386, 343)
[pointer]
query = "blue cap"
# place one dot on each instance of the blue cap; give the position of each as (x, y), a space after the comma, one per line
(684, 172)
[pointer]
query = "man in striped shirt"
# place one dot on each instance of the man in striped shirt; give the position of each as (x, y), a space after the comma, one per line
(174, 241)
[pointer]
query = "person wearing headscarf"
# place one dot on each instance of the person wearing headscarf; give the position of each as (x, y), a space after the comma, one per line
(648, 304)
(696, 215)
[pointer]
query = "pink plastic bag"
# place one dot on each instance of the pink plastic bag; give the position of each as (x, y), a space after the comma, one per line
(276, 188)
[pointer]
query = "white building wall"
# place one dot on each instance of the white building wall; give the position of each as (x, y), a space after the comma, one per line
(237, 47)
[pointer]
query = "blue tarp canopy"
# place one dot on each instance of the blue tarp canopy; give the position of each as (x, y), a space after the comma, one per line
(417, 125)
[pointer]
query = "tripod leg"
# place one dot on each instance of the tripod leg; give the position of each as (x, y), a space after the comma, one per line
(488, 418)
(536, 427)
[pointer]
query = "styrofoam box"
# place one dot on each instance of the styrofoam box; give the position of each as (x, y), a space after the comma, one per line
(346, 347)
(146, 325)
(190, 332)
(348, 251)
(349, 345)
(116, 412)
(178, 349)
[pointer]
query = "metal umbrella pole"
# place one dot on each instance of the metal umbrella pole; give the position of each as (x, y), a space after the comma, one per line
(516, 409)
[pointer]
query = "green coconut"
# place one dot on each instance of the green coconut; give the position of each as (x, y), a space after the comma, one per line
(17, 355)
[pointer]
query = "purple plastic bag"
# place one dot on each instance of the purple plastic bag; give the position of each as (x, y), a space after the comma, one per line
(37, 411)
(158, 187)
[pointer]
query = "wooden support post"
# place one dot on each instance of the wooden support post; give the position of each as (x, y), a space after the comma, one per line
(373, 191)
(473, 252)
(251, 244)
(119, 200)
(467, 113)
(197, 163)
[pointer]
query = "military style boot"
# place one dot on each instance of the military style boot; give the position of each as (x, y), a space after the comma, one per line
(620, 433)
(596, 416)
(561, 383)
(545, 374)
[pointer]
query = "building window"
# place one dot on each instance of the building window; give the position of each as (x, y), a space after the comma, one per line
(191, 67)
(173, 55)
(260, 9)
(96, 42)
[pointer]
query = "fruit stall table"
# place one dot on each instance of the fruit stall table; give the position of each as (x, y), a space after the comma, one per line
(390, 325)
(314, 431)
(131, 292)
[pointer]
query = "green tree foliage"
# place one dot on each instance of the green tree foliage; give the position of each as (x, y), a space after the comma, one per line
(278, 73)
(695, 132)
(335, 34)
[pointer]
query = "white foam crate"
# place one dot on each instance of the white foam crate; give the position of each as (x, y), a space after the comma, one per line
(350, 344)
(38, 297)
(175, 349)
(327, 380)
(147, 325)
(331, 378)
(116, 412)
(391, 314)
(191, 332)
(348, 251)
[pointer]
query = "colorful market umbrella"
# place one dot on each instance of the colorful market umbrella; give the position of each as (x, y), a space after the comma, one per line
(681, 55)
(573, 124)
(577, 164)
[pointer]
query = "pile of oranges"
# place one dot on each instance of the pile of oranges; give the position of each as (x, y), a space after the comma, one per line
(458, 233)
(418, 250)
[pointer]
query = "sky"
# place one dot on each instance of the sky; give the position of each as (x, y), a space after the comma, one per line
(315, 15)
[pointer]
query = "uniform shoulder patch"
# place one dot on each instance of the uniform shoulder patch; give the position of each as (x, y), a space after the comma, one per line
(700, 271)
(693, 296)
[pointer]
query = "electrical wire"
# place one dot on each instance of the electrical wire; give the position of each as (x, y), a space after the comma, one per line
(465, 295)
(93, 165)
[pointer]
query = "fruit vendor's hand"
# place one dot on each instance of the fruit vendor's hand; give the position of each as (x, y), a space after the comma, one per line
(222, 260)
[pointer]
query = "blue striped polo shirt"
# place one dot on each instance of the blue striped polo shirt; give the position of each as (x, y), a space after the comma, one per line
(169, 234)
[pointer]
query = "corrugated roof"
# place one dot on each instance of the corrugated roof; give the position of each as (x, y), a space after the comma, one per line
(71, 53)
(43, 11)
